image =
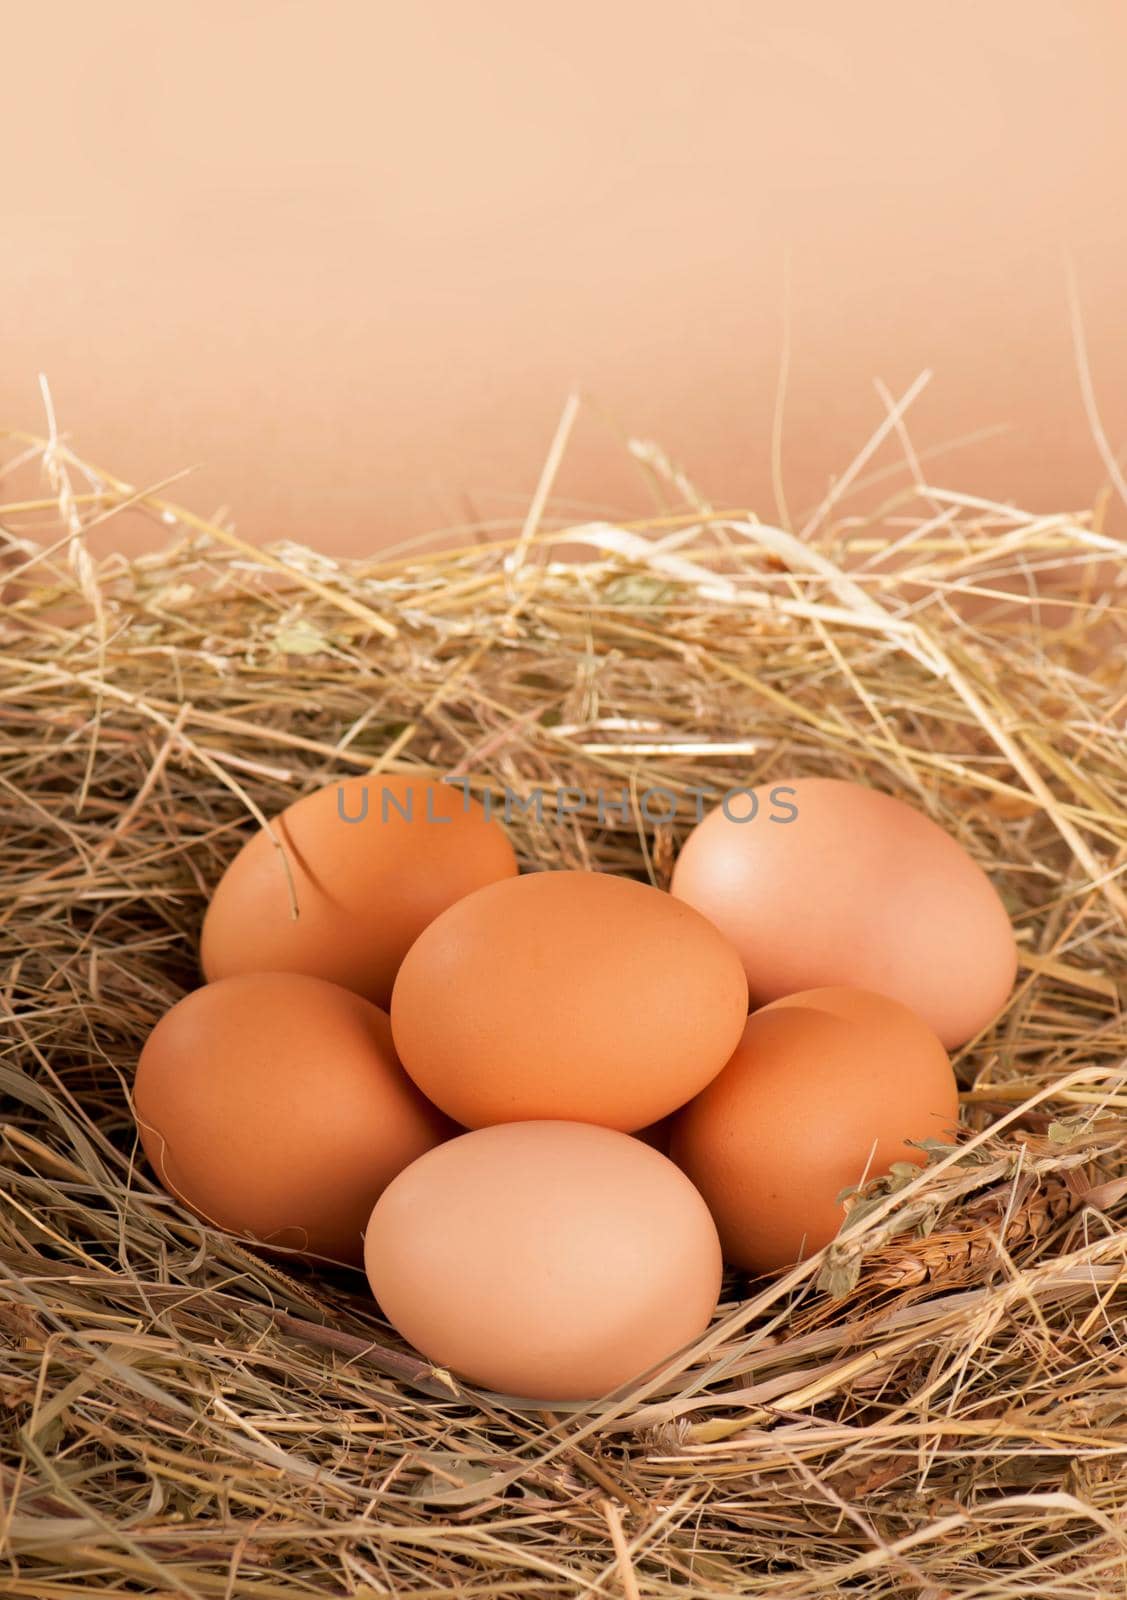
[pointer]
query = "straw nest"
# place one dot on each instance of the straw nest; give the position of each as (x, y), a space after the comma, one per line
(936, 1407)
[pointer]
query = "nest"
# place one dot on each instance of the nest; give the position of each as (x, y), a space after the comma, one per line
(935, 1407)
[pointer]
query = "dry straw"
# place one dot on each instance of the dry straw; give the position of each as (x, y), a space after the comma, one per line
(936, 1408)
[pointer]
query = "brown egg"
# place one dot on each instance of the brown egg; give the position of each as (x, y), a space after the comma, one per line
(548, 1260)
(373, 861)
(832, 883)
(821, 1093)
(273, 1105)
(573, 995)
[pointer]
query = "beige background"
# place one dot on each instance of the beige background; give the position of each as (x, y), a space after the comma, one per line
(349, 258)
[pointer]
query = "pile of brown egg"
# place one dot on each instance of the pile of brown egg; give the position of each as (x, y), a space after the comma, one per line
(381, 978)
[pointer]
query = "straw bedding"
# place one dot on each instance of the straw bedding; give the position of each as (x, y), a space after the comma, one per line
(935, 1408)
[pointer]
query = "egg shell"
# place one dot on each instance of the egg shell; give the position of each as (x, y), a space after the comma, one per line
(545, 1260)
(573, 995)
(373, 860)
(856, 888)
(822, 1092)
(274, 1106)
